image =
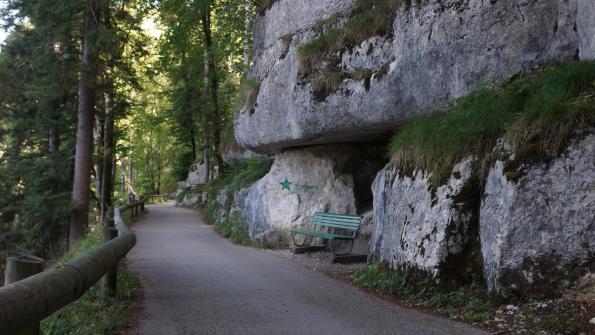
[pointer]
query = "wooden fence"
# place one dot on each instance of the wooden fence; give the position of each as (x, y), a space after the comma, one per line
(157, 198)
(25, 303)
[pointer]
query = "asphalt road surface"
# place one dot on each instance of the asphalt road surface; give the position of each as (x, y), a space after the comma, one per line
(196, 282)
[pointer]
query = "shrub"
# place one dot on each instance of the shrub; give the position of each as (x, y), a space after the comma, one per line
(234, 229)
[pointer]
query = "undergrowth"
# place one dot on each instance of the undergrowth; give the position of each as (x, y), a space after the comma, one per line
(236, 230)
(536, 114)
(230, 225)
(466, 302)
(90, 314)
(232, 180)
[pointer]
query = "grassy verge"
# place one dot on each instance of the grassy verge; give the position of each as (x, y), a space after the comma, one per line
(89, 314)
(536, 114)
(468, 303)
(234, 229)
(464, 302)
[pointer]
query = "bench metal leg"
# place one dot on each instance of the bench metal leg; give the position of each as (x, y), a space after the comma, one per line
(330, 242)
(307, 241)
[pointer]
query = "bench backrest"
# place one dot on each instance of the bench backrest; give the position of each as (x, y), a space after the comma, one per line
(341, 221)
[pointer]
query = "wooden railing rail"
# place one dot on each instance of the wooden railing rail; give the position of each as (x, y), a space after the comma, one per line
(28, 301)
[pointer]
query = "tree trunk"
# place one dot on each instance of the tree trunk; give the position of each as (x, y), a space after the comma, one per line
(212, 84)
(108, 147)
(98, 134)
(53, 147)
(84, 135)
(193, 144)
(247, 32)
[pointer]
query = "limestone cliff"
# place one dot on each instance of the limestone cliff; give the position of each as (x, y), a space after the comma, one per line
(437, 51)
(329, 149)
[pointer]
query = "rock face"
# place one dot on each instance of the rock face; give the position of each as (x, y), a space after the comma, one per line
(586, 28)
(189, 200)
(303, 181)
(538, 233)
(440, 50)
(419, 227)
(196, 175)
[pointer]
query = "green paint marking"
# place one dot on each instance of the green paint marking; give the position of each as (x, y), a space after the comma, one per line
(285, 185)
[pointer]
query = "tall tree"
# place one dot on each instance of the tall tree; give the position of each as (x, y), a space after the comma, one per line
(84, 134)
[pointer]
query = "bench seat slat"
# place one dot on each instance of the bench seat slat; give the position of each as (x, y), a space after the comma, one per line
(321, 234)
(350, 220)
(357, 222)
(337, 225)
(331, 218)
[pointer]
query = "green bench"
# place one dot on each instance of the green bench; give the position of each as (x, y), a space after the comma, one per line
(330, 227)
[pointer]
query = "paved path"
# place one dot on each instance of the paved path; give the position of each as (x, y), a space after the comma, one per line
(196, 282)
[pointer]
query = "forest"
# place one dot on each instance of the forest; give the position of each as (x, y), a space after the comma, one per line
(101, 100)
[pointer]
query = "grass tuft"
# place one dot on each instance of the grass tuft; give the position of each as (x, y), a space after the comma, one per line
(367, 18)
(325, 83)
(540, 111)
(247, 94)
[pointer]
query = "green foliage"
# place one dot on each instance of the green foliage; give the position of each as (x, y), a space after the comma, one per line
(231, 181)
(234, 229)
(200, 102)
(540, 110)
(37, 97)
(467, 301)
(89, 314)
(255, 168)
(232, 226)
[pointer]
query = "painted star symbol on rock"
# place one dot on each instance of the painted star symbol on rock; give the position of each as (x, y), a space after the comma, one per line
(285, 185)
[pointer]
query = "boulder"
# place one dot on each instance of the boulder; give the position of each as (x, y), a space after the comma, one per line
(303, 181)
(440, 50)
(418, 226)
(190, 200)
(196, 174)
(538, 230)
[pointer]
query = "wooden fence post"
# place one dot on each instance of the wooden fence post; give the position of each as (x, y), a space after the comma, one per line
(21, 267)
(109, 285)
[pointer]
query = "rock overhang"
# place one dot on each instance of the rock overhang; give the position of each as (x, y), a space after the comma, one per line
(438, 52)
